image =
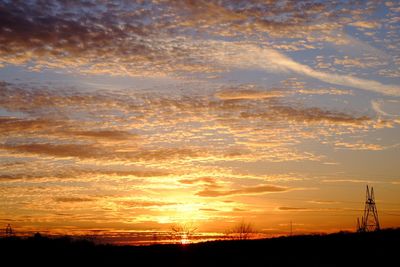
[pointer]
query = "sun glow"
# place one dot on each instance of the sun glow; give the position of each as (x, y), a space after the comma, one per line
(185, 240)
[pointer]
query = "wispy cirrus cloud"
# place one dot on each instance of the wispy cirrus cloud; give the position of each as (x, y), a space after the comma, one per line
(245, 55)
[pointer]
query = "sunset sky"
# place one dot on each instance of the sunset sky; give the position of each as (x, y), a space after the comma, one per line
(131, 116)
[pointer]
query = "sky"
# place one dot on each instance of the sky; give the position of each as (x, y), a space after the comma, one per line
(131, 116)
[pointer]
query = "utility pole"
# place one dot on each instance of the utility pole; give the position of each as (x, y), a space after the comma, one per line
(369, 221)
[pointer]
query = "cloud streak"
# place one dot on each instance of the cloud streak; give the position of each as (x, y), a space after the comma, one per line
(249, 190)
(245, 55)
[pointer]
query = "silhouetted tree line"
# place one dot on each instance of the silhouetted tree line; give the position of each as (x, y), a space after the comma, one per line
(378, 248)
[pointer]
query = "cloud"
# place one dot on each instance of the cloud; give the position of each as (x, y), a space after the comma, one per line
(325, 202)
(89, 151)
(58, 35)
(39, 168)
(366, 24)
(243, 94)
(56, 150)
(378, 107)
(95, 37)
(137, 173)
(284, 208)
(155, 38)
(104, 134)
(210, 210)
(359, 146)
(350, 81)
(306, 115)
(241, 17)
(302, 209)
(72, 199)
(350, 62)
(249, 190)
(348, 181)
(11, 125)
(324, 91)
(37, 100)
(205, 180)
(21, 127)
(12, 175)
(143, 204)
(178, 128)
(76, 172)
(246, 55)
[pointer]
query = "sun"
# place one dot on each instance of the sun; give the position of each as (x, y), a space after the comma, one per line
(184, 232)
(185, 240)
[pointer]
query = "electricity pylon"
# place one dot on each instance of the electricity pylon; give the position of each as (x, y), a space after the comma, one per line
(9, 230)
(369, 221)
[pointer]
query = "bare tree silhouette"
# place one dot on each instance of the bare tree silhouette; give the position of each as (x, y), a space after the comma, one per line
(243, 230)
(183, 231)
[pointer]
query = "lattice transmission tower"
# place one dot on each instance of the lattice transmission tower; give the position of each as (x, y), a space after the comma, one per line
(9, 230)
(369, 221)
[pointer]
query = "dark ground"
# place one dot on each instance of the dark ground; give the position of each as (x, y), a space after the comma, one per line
(380, 248)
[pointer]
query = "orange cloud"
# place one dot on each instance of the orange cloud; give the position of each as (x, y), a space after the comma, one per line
(16, 126)
(250, 190)
(366, 24)
(72, 199)
(206, 180)
(143, 204)
(293, 209)
(306, 115)
(237, 94)
(57, 150)
(140, 133)
(86, 151)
